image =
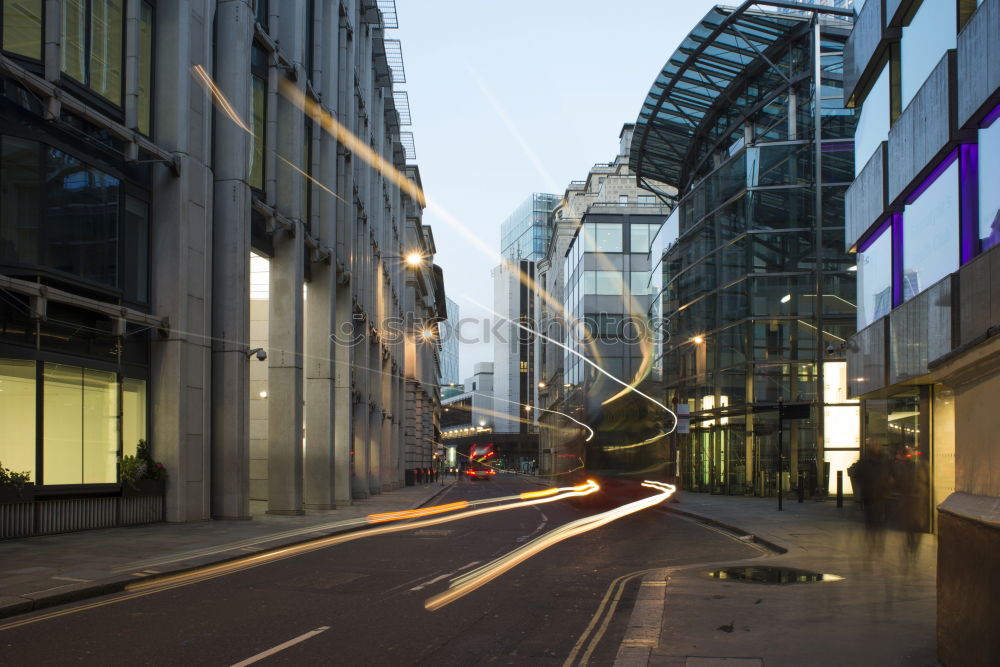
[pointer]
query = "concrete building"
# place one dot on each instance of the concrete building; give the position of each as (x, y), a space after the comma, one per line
(592, 323)
(142, 169)
(756, 290)
(923, 215)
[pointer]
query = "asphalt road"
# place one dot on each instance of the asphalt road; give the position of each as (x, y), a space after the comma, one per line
(362, 602)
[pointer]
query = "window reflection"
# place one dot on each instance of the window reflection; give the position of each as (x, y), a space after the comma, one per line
(875, 280)
(989, 192)
(931, 32)
(930, 234)
(873, 121)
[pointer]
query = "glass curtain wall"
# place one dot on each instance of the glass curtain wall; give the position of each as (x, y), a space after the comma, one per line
(759, 295)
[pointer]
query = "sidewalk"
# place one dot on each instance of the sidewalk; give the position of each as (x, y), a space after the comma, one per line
(881, 613)
(37, 572)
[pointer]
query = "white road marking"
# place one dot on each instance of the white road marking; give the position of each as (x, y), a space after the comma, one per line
(537, 530)
(445, 576)
(72, 579)
(281, 647)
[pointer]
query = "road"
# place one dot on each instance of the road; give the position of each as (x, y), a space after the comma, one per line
(362, 602)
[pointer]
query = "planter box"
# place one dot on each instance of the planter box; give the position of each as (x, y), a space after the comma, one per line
(144, 487)
(12, 496)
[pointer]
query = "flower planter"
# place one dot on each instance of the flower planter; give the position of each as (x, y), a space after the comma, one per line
(144, 487)
(11, 495)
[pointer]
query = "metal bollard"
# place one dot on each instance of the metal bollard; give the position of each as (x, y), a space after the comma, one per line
(802, 486)
(840, 488)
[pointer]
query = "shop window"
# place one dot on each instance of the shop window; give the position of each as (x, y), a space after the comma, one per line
(80, 441)
(133, 414)
(92, 45)
(930, 232)
(17, 414)
(22, 28)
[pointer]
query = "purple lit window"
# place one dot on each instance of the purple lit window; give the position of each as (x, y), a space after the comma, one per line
(930, 230)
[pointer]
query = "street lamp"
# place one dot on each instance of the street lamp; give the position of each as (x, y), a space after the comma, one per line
(698, 340)
(541, 385)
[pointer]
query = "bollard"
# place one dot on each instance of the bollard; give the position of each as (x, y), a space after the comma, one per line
(802, 486)
(840, 488)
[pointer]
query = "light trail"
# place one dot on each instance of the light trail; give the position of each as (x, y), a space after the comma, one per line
(582, 358)
(535, 407)
(481, 576)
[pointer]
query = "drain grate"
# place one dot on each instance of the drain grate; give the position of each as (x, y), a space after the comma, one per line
(769, 575)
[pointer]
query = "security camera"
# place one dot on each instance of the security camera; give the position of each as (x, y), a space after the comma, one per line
(830, 349)
(259, 351)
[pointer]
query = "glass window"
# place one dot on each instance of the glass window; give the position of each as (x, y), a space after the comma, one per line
(74, 38)
(144, 111)
(608, 283)
(875, 279)
(639, 283)
(589, 283)
(989, 186)
(80, 443)
(17, 414)
(646, 200)
(930, 234)
(135, 272)
(589, 238)
(22, 28)
(106, 35)
(608, 237)
(639, 237)
(258, 113)
(92, 45)
(81, 219)
(133, 414)
(623, 199)
(20, 200)
(931, 32)
(873, 121)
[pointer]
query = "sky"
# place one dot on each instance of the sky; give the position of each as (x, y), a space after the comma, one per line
(512, 97)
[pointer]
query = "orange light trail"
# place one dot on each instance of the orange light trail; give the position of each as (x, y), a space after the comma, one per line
(417, 513)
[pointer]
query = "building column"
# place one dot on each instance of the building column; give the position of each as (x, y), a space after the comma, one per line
(286, 308)
(231, 268)
(359, 482)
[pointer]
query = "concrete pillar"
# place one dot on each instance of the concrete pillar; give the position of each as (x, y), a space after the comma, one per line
(285, 326)
(319, 480)
(374, 449)
(231, 269)
(343, 401)
(359, 482)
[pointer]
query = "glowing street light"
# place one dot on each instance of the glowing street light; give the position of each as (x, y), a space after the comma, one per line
(786, 298)
(698, 340)
(414, 259)
(541, 385)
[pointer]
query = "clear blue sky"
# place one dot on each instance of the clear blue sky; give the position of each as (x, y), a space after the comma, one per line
(513, 97)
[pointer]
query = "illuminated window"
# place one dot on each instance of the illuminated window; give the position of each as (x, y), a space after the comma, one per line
(22, 28)
(17, 414)
(92, 45)
(80, 442)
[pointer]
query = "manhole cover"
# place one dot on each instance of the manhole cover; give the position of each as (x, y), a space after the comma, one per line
(769, 575)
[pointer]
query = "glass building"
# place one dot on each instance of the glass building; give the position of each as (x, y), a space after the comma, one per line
(449, 345)
(923, 216)
(754, 287)
(526, 232)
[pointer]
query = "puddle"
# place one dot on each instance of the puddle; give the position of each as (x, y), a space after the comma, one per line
(769, 575)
